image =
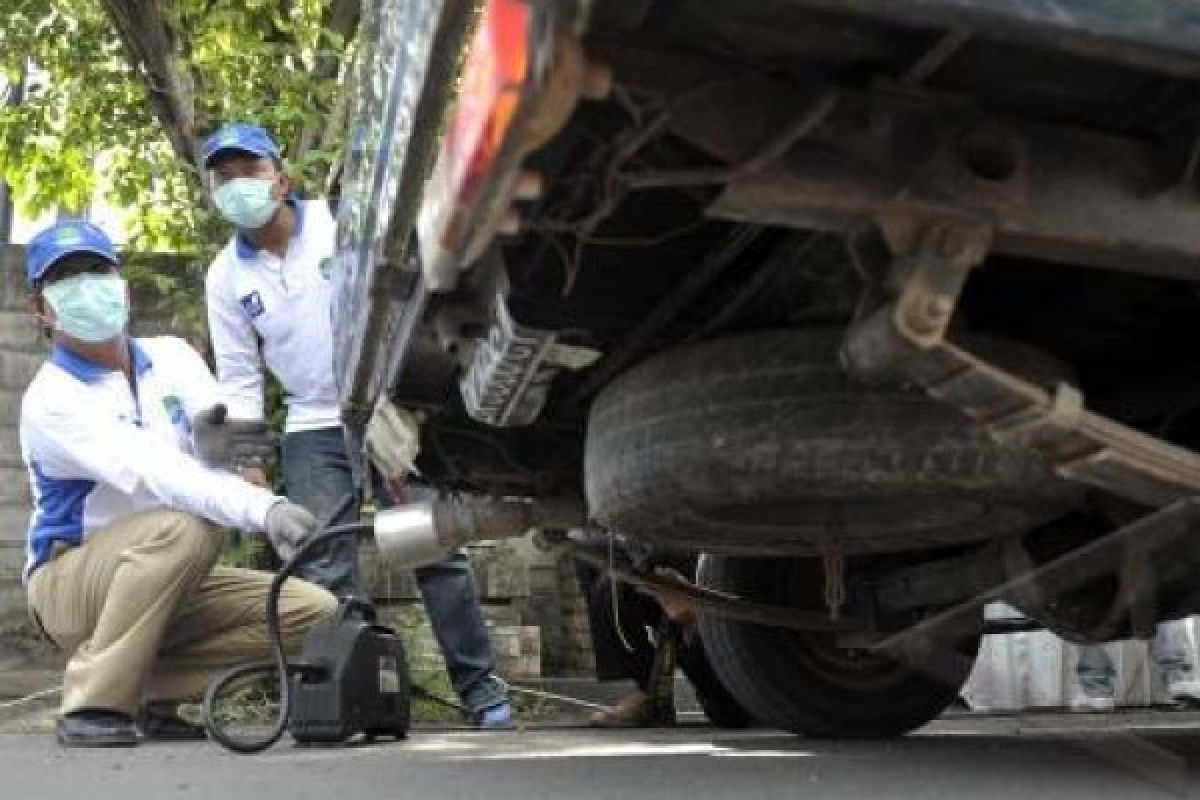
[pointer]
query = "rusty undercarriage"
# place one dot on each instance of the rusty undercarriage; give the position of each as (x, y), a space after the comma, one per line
(885, 308)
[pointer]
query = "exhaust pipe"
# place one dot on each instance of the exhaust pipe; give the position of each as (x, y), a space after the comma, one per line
(421, 534)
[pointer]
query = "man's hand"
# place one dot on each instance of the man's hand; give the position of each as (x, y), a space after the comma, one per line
(288, 525)
(227, 443)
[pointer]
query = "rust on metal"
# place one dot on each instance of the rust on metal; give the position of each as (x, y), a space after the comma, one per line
(724, 604)
(1159, 34)
(1053, 192)
(1095, 559)
(903, 337)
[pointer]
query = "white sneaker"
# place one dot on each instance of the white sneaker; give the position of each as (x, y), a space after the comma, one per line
(1087, 704)
(1186, 692)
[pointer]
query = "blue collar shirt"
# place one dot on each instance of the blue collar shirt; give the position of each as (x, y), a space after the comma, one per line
(99, 447)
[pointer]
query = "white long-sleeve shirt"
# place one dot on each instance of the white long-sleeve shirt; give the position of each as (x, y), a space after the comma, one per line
(262, 307)
(98, 449)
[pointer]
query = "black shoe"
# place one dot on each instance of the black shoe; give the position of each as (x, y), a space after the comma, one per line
(162, 727)
(96, 728)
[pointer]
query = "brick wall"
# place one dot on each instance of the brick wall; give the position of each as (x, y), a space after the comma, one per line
(531, 602)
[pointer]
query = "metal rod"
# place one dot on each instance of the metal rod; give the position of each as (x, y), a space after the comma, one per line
(767, 155)
(725, 605)
(1068, 571)
(788, 255)
(665, 311)
(936, 57)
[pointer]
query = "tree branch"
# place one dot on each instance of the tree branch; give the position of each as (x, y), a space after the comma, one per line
(341, 17)
(154, 51)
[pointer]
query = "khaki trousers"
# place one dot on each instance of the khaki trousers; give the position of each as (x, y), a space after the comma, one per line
(149, 618)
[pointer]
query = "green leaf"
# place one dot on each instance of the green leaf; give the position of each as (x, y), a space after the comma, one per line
(87, 127)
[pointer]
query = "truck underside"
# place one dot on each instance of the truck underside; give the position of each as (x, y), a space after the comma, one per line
(724, 320)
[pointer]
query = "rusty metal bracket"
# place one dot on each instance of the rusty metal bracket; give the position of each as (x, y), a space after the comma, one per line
(1103, 556)
(1079, 444)
(926, 281)
(721, 603)
(905, 339)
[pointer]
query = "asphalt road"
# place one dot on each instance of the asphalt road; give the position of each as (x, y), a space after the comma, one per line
(984, 759)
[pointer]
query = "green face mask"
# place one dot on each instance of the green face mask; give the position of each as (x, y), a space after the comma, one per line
(89, 307)
(246, 202)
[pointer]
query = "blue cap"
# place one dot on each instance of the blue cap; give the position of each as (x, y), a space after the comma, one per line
(242, 137)
(62, 239)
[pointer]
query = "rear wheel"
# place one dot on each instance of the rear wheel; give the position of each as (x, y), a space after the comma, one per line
(806, 683)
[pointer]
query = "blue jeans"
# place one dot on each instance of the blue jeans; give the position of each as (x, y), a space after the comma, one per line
(318, 474)
(1168, 649)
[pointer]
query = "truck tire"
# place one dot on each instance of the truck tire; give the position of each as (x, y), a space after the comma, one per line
(802, 682)
(715, 700)
(762, 444)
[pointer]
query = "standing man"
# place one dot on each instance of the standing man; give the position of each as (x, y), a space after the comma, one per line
(1168, 649)
(270, 299)
(123, 541)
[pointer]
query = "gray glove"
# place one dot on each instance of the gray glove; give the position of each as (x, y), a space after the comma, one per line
(288, 525)
(227, 443)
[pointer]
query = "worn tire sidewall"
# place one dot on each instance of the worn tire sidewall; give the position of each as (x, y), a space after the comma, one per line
(771, 420)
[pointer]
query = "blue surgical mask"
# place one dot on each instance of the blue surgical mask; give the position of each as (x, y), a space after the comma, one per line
(246, 202)
(89, 307)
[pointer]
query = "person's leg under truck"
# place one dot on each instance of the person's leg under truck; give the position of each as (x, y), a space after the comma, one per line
(1168, 648)
(452, 603)
(318, 475)
(111, 601)
(1095, 671)
(620, 632)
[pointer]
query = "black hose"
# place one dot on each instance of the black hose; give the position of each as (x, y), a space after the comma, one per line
(279, 662)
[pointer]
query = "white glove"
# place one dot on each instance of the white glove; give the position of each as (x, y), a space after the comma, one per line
(288, 525)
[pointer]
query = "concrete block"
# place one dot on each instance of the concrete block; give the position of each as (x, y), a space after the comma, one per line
(12, 605)
(500, 571)
(17, 369)
(21, 647)
(501, 614)
(10, 440)
(10, 406)
(20, 332)
(505, 642)
(14, 523)
(543, 581)
(518, 652)
(385, 585)
(14, 489)
(12, 560)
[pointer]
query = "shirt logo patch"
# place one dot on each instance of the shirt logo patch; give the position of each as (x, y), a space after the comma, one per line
(174, 409)
(69, 236)
(253, 304)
